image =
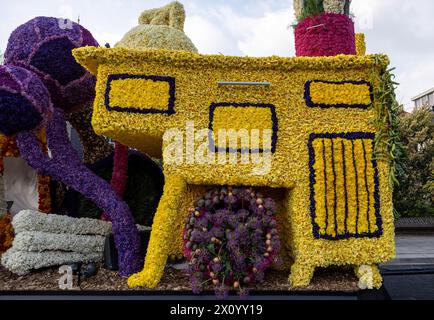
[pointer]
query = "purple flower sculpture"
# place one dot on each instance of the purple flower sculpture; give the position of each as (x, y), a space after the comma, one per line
(43, 45)
(24, 101)
(40, 70)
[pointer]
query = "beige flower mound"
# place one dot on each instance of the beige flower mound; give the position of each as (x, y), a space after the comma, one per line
(330, 6)
(149, 36)
(334, 6)
(161, 28)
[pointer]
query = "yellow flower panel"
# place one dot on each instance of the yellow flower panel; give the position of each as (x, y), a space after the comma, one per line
(140, 93)
(360, 44)
(344, 94)
(320, 218)
(340, 182)
(371, 172)
(352, 186)
(242, 119)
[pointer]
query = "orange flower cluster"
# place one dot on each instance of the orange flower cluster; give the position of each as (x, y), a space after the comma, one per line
(8, 147)
(6, 233)
(44, 201)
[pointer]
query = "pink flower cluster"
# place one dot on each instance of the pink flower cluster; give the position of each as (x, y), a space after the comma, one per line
(328, 34)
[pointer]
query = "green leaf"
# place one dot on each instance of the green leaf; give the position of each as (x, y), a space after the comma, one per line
(211, 248)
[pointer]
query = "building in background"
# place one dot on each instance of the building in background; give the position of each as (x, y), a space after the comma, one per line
(425, 98)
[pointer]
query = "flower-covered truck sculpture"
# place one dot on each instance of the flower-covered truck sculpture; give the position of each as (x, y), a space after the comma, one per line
(324, 116)
(39, 83)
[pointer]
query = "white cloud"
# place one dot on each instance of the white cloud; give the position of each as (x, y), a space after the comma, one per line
(414, 81)
(269, 35)
(221, 29)
(207, 36)
(66, 12)
(108, 37)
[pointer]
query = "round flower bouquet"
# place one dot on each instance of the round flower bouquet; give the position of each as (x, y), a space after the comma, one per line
(230, 239)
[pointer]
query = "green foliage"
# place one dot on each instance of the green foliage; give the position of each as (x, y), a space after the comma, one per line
(347, 7)
(388, 145)
(312, 8)
(415, 194)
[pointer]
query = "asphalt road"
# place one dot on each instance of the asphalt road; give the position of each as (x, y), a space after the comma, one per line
(410, 276)
(410, 287)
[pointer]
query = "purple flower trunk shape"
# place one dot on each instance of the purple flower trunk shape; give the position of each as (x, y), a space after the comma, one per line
(66, 166)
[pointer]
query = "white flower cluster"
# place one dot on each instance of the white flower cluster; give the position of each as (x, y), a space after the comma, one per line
(43, 240)
(21, 262)
(330, 6)
(366, 277)
(334, 6)
(29, 220)
(298, 8)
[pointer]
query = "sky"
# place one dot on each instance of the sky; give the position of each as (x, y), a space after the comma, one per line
(402, 29)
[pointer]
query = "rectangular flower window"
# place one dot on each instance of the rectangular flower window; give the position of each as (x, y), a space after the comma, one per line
(344, 186)
(140, 94)
(230, 121)
(342, 94)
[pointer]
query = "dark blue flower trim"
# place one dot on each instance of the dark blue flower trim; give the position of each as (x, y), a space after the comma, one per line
(311, 104)
(275, 128)
(170, 105)
(315, 227)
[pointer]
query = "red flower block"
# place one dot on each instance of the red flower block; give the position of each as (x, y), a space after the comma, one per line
(328, 34)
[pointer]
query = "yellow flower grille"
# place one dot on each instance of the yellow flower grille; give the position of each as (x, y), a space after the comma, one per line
(344, 186)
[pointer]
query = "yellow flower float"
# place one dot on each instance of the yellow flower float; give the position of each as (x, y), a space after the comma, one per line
(320, 113)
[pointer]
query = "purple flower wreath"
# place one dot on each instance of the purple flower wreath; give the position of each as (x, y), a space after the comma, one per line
(230, 240)
(40, 70)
